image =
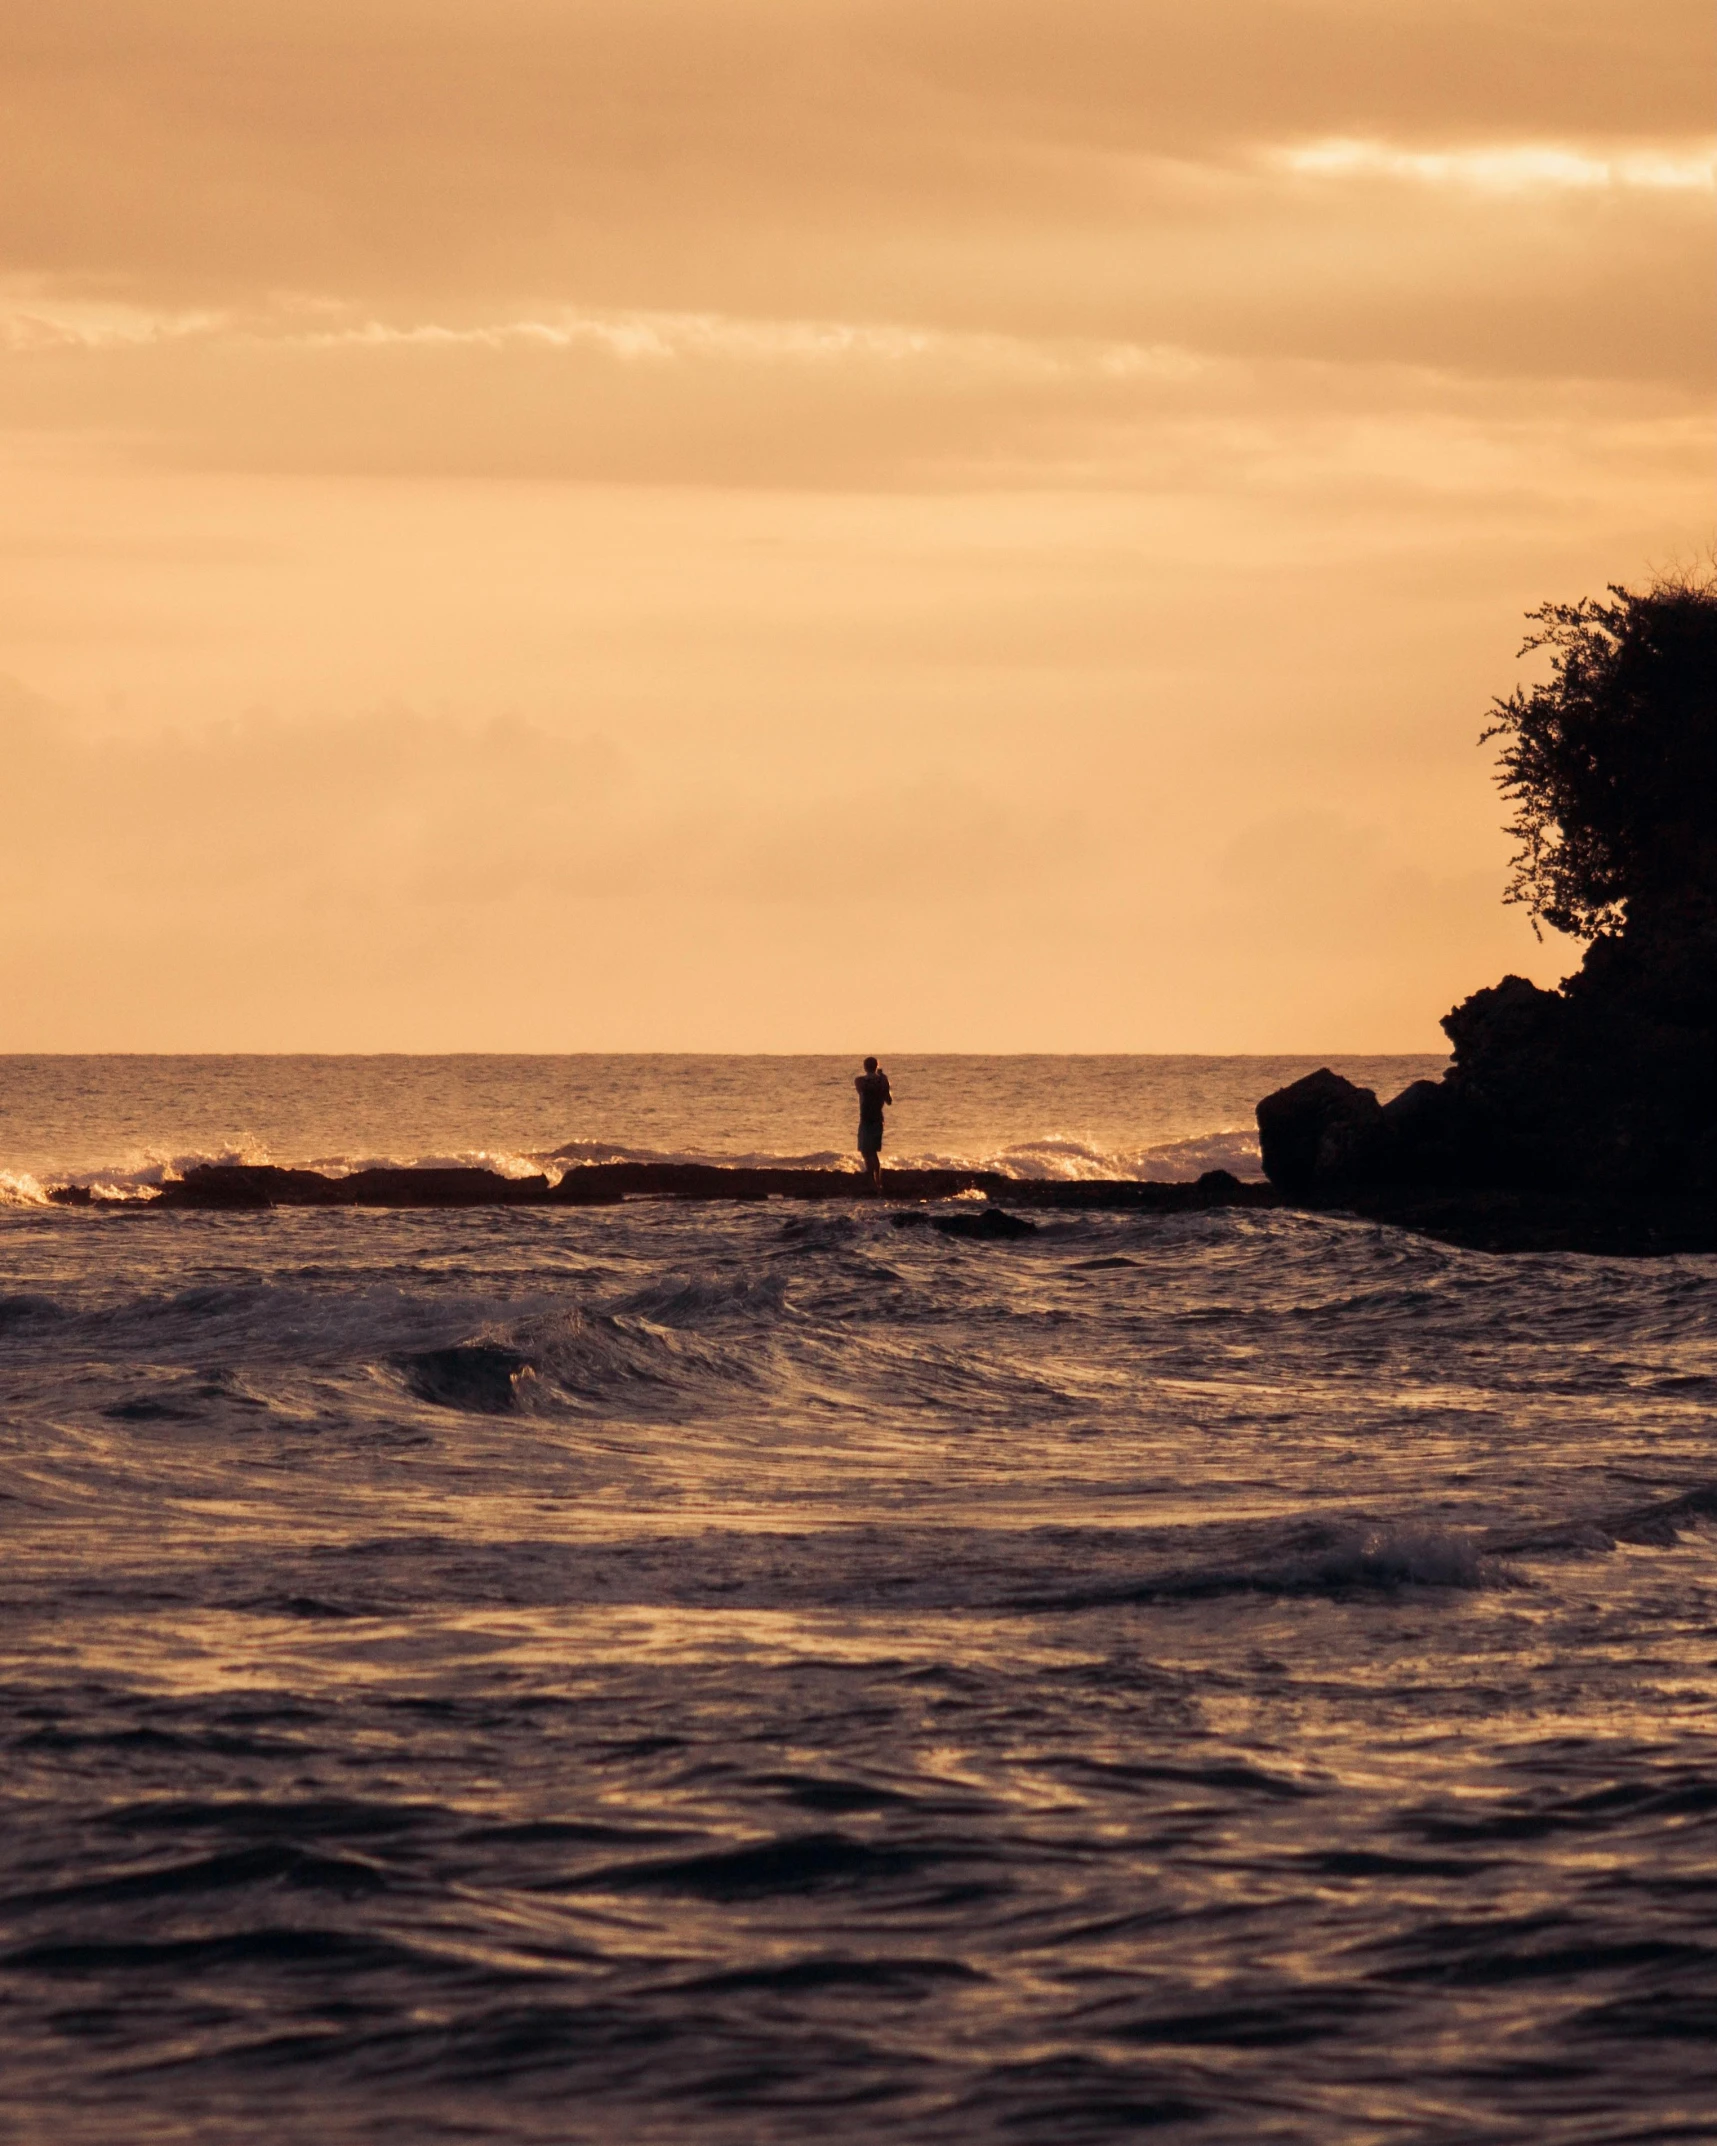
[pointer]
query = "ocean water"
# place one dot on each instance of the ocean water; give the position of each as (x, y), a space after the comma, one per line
(121, 1124)
(741, 1674)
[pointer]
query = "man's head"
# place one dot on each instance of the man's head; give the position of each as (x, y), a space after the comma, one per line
(870, 1065)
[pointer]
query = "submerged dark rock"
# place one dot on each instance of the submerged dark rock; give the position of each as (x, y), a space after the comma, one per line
(482, 1376)
(991, 1226)
(149, 1408)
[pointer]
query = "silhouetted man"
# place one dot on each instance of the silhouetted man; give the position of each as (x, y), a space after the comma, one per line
(873, 1094)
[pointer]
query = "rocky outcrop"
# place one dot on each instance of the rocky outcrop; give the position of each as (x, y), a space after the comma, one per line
(1600, 1095)
(1602, 1092)
(1319, 1130)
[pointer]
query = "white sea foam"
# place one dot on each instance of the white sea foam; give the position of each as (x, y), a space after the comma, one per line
(142, 1174)
(1055, 1157)
(1235, 1148)
(1389, 1554)
(504, 1162)
(1065, 1156)
(577, 1154)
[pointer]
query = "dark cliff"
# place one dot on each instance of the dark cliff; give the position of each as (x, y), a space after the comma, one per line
(1595, 1102)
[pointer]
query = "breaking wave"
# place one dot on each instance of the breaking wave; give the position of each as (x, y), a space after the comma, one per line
(1053, 1156)
(139, 1177)
(1065, 1156)
(693, 1666)
(576, 1154)
(1056, 1156)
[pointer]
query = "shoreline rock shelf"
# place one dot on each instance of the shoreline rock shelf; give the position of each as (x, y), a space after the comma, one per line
(1481, 1218)
(253, 1187)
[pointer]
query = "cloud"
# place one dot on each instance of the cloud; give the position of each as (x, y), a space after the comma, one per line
(807, 240)
(391, 812)
(771, 158)
(391, 881)
(33, 321)
(1507, 168)
(977, 454)
(653, 398)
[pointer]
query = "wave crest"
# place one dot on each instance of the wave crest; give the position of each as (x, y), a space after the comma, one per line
(1052, 1157)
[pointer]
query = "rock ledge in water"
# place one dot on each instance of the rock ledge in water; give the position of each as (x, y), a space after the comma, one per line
(250, 1187)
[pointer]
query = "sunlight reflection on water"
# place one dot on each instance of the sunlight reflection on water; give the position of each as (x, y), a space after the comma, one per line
(992, 1689)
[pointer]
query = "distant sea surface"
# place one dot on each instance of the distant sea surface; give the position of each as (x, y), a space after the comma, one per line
(760, 1673)
(121, 1124)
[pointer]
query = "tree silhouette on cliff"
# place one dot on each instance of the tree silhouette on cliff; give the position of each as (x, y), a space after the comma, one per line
(1597, 1100)
(1612, 763)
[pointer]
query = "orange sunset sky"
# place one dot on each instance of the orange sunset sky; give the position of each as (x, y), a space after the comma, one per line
(796, 524)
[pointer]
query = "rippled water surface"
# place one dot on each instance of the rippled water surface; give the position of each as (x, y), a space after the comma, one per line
(119, 1124)
(757, 1673)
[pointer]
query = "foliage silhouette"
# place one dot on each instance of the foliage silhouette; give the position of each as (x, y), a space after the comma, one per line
(1612, 763)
